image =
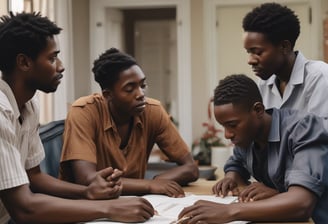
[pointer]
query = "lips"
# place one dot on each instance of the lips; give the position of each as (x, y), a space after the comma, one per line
(59, 76)
(141, 105)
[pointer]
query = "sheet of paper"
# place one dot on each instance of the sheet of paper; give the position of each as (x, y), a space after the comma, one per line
(169, 208)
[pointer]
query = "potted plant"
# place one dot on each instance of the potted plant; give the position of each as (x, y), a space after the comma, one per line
(202, 147)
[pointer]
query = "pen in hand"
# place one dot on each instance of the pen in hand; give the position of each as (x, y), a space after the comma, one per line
(182, 220)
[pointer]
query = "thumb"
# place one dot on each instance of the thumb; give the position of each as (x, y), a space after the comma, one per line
(104, 173)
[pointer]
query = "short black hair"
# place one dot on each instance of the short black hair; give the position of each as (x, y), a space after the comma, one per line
(237, 89)
(23, 33)
(275, 21)
(109, 65)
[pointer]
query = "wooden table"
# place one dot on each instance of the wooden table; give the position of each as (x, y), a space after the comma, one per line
(203, 186)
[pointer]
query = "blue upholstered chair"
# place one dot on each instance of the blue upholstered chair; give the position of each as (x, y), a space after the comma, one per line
(51, 137)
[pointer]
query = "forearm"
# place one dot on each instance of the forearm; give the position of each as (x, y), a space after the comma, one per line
(289, 206)
(182, 174)
(133, 186)
(43, 183)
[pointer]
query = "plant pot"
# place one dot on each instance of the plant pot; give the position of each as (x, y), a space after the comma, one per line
(219, 156)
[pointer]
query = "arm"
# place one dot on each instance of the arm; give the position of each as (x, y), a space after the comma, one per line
(296, 204)
(105, 185)
(186, 171)
(130, 185)
(27, 207)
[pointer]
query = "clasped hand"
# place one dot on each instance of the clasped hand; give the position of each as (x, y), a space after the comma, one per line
(105, 185)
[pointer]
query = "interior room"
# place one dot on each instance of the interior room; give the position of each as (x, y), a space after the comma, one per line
(184, 46)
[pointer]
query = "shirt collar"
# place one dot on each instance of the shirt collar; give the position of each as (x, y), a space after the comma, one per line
(5, 88)
(108, 118)
(297, 75)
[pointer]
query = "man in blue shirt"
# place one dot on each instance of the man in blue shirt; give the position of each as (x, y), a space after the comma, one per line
(286, 151)
(288, 79)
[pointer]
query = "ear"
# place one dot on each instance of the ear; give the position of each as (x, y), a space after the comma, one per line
(23, 62)
(259, 109)
(107, 94)
(286, 46)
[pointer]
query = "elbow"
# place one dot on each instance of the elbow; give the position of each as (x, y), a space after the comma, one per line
(193, 172)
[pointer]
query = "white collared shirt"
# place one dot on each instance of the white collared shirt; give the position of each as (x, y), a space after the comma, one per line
(20, 145)
(306, 89)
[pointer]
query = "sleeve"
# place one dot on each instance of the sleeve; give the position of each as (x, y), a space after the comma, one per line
(79, 136)
(12, 171)
(238, 163)
(316, 88)
(309, 142)
(167, 136)
(35, 148)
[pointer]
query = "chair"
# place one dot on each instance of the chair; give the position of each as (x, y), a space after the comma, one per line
(51, 137)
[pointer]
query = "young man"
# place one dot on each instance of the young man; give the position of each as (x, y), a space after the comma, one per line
(283, 149)
(288, 79)
(119, 129)
(29, 62)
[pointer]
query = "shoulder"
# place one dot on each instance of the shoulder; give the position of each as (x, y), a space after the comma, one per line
(88, 100)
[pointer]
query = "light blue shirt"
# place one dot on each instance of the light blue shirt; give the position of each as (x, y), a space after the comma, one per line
(297, 154)
(306, 89)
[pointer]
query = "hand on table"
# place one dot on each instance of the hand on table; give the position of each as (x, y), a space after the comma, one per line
(256, 191)
(206, 212)
(226, 186)
(105, 185)
(167, 187)
(132, 209)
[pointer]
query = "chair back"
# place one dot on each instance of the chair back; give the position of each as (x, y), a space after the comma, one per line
(51, 135)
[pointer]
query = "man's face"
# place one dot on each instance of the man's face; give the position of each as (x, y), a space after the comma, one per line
(240, 124)
(45, 73)
(265, 58)
(127, 96)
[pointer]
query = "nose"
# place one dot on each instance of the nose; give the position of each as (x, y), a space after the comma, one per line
(140, 93)
(228, 134)
(60, 67)
(252, 60)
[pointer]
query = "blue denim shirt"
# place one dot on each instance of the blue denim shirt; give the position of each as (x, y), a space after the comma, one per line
(297, 155)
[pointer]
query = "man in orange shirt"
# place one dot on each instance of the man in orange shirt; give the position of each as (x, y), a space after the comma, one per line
(119, 129)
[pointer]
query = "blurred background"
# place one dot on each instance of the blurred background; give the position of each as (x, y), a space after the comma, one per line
(183, 46)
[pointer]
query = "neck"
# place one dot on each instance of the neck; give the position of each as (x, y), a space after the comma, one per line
(287, 68)
(21, 93)
(119, 118)
(262, 139)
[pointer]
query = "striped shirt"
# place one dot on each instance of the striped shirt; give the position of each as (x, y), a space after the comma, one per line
(20, 145)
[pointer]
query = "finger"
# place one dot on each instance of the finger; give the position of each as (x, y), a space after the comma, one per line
(104, 173)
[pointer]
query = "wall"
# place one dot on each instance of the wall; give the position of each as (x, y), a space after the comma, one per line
(199, 81)
(199, 77)
(81, 48)
(3, 7)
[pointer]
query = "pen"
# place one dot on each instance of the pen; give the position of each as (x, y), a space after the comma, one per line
(181, 221)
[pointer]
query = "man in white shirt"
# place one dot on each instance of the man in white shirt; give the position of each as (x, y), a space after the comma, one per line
(29, 62)
(288, 79)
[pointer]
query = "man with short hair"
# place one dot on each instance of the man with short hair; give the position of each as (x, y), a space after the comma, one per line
(288, 79)
(29, 62)
(284, 149)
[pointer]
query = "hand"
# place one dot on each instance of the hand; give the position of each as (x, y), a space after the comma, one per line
(132, 209)
(226, 186)
(206, 212)
(105, 185)
(256, 191)
(167, 187)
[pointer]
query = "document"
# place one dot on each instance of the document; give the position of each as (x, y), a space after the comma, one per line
(169, 208)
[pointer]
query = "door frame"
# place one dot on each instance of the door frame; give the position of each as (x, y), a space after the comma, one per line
(97, 46)
(210, 37)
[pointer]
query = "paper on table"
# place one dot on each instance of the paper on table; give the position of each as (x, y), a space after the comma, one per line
(169, 208)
